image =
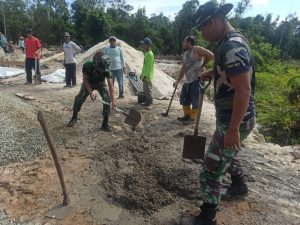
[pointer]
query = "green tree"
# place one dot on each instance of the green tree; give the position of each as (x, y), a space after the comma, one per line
(184, 22)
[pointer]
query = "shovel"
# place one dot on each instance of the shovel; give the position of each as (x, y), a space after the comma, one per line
(37, 79)
(62, 210)
(167, 112)
(133, 118)
(194, 145)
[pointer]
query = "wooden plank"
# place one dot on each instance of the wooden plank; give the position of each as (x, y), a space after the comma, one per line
(7, 63)
(51, 57)
(24, 96)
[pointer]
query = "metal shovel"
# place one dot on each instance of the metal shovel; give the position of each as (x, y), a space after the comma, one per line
(133, 118)
(167, 112)
(194, 145)
(62, 210)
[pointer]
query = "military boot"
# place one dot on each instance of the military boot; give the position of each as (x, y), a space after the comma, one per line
(73, 120)
(105, 127)
(237, 189)
(207, 215)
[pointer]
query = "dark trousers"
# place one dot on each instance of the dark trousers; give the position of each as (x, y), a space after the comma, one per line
(70, 74)
(29, 65)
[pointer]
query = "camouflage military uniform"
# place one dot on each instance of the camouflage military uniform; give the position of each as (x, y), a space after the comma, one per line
(233, 57)
(97, 82)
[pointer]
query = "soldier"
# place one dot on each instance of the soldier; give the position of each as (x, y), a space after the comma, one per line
(234, 82)
(94, 74)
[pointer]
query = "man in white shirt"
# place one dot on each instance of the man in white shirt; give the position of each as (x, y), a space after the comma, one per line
(70, 50)
(117, 63)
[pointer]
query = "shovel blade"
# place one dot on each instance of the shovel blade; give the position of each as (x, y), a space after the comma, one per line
(165, 114)
(194, 147)
(59, 212)
(133, 118)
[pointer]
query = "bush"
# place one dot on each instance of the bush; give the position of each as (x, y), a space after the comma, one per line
(265, 55)
(280, 120)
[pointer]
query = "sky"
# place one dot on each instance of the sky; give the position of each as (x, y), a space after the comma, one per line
(171, 7)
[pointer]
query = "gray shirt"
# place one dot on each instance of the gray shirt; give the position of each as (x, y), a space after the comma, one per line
(192, 66)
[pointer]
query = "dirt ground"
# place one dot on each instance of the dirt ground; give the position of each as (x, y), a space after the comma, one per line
(128, 177)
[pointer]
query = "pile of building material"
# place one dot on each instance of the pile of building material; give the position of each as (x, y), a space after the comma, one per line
(21, 137)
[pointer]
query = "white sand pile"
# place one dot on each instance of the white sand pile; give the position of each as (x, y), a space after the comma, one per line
(134, 62)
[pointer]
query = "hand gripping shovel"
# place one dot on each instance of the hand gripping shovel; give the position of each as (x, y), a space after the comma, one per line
(167, 112)
(133, 118)
(59, 211)
(194, 145)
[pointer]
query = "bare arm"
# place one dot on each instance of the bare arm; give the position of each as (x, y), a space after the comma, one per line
(242, 92)
(205, 53)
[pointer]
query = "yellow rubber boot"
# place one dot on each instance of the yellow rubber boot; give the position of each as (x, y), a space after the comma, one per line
(193, 114)
(187, 112)
(192, 118)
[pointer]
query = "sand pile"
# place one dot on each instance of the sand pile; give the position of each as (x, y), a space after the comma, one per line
(134, 62)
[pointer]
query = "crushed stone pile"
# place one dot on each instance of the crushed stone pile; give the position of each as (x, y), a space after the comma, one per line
(146, 173)
(21, 137)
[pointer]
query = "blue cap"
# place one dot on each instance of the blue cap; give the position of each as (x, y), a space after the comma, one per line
(29, 31)
(112, 38)
(146, 41)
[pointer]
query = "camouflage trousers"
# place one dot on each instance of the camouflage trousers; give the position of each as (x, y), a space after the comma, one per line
(83, 94)
(147, 88)
(219, 160)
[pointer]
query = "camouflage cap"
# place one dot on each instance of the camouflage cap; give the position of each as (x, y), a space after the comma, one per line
(101, 61)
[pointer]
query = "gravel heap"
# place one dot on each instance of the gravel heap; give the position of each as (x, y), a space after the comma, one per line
(21, 137)
(4, 220)
(146, 173)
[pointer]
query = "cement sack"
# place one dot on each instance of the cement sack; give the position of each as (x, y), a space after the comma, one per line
(56, 77)
(7, 72)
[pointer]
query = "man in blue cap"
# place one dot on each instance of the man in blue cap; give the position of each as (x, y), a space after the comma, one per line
(33, 49)
(234, 82)
(147, 71)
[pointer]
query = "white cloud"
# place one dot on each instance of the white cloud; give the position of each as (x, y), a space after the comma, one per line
(167, 7)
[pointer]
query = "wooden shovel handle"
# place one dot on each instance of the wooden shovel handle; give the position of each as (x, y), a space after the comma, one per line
(44, 126)
(200, 104)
